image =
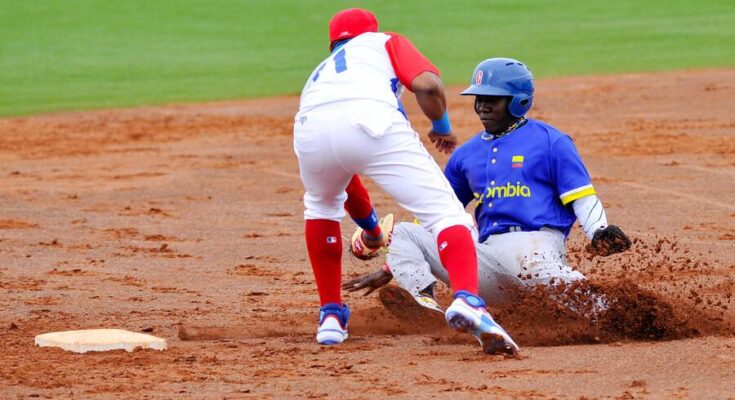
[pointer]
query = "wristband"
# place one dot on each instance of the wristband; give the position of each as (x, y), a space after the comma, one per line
(442, 126)
(368, 223)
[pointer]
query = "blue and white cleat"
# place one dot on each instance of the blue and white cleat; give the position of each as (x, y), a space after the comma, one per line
(468, 314)
(333, 320)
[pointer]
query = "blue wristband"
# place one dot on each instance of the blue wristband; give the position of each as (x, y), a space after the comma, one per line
(369, 222)
(442, 126)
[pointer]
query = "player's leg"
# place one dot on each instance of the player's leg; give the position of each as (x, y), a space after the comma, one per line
(404, 169)
(543, 262)
(413, 258)
(415, 264)
(528, 259)
(498, 284)
(360, 208)
(373, 234)
(324, 180)
(549, 261)
(532, 258)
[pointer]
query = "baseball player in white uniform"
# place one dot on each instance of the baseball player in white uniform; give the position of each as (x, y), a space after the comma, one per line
(351, 121)
(529, 186)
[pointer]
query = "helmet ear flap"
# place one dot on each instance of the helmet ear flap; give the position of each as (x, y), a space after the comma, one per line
(520, 105)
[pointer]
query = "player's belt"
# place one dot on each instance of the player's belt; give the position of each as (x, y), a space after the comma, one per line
(542, 229)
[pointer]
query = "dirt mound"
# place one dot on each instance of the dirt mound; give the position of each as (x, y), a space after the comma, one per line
(564, 314)
(589, 312)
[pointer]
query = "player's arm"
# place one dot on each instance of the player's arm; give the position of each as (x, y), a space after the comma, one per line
(429, 91)
(605, 239)
(458, 179)
(590, 214)
(370, 281)
(417, 74)
(575, 186)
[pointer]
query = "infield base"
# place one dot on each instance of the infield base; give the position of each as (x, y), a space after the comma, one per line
(82, 341)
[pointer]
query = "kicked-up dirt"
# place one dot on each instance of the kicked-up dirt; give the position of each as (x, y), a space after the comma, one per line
(186, 222)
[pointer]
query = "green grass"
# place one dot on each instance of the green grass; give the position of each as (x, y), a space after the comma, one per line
(81, 54)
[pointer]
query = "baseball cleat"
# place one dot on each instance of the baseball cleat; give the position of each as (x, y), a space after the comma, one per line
(407, 307)
(333, 320)
(468, 314)
(428, 302)
(361, 250)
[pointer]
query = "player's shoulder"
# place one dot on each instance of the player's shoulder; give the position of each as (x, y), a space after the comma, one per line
(371, 37)
(394, 35)
(469, 147)
(551, 132)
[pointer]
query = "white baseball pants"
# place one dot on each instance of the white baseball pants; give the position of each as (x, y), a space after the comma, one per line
(372, 139)
(506, 261)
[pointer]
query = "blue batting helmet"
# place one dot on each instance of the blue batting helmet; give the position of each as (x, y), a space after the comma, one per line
(504, 77)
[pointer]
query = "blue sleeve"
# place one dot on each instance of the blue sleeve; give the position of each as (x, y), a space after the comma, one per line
(458, 180)
(569, 173)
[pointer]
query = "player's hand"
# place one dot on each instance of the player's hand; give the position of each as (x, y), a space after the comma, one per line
(371, 282)
(609, 240)
(443, 143)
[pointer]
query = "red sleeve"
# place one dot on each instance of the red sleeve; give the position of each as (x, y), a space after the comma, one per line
(407, 60)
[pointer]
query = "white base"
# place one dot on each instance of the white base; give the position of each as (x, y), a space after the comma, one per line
(100, 340)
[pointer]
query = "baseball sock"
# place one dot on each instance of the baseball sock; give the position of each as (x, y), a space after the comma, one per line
(324, 244)
(458, 255)
(360, 208)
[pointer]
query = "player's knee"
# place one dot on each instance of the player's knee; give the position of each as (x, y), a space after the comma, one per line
(409, 239)
(443, 223)
(321, 207)
(405, 230)
(546, 273)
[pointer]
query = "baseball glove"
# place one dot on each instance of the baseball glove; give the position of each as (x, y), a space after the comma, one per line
(609, 240)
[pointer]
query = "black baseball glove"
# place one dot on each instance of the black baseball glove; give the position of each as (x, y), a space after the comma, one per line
(609, 240)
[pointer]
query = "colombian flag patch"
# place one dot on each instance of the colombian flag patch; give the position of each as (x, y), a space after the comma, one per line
(517, 162)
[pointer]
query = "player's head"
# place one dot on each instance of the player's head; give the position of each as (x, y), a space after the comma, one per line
(504, 77)
(349, 23)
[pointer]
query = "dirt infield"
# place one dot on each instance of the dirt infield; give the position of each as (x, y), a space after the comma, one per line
(185, 222)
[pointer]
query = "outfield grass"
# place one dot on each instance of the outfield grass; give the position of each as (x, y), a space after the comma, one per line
(81, 54)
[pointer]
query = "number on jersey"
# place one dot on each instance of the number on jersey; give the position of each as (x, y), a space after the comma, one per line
(340, 64)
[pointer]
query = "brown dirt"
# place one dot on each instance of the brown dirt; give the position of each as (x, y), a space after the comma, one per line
(185, 222)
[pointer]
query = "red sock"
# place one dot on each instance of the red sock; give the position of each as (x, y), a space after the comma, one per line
(324, 244)
(358, 205)
(458, 255)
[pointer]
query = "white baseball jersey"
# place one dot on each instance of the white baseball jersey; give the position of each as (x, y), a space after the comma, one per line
(372, 66)
(351, 121)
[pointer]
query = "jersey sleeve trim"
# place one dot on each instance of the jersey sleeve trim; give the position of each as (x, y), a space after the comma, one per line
(577, 193)
(407, 60)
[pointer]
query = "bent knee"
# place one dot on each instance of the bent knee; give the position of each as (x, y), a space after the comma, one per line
(545, 273)
(324, 207)
(405, 229)
(445, 222)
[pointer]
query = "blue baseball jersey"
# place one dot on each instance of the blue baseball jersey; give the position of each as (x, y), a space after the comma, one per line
(522, 181)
